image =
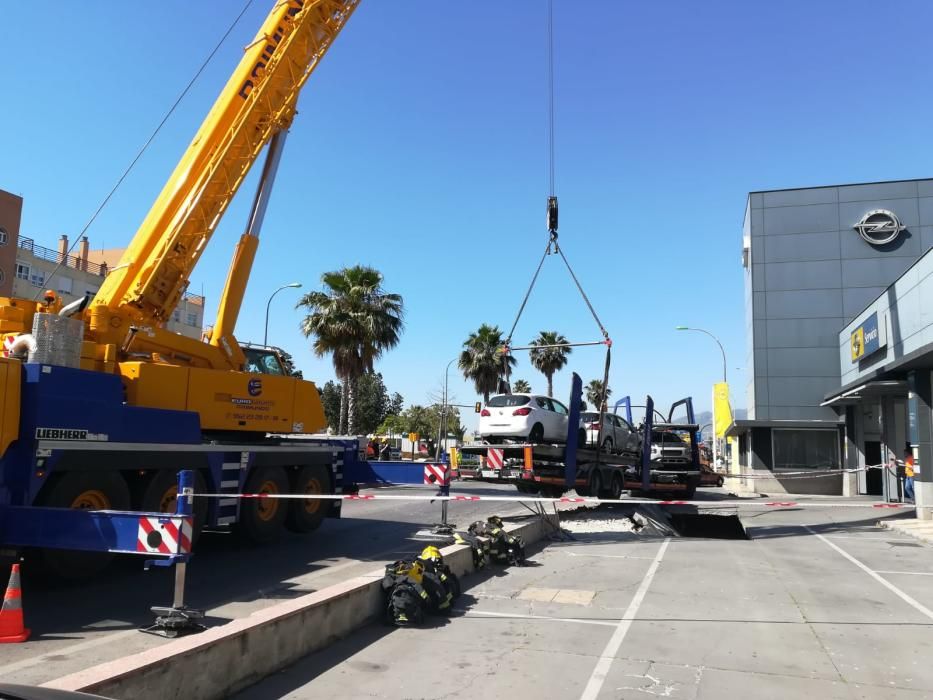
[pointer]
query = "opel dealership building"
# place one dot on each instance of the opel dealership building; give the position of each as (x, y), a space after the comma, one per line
(840, 341)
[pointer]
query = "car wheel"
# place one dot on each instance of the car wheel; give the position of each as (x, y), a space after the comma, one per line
(607, 445)
(719, 482)
(537, 434)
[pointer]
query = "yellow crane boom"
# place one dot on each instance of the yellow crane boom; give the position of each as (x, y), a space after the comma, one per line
(257, 102)
(124, 331)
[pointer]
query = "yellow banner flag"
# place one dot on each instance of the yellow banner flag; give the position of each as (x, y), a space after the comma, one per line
(721, 408)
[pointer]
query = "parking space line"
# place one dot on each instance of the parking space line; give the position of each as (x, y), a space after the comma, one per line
(607, 556)
(918, 606)
(907, 573)
(598, 677)
(577, 620)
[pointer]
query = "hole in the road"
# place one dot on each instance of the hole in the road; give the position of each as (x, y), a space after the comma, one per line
(708, 525)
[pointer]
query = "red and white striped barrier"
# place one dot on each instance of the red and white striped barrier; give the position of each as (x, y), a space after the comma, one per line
(494, 457)
(164, 535)
(436, 474)
(740, 502)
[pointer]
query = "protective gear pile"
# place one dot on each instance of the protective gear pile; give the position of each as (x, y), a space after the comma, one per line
(503, 547)
(418, 587)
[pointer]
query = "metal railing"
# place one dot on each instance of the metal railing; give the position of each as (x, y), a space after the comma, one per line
(54, 256)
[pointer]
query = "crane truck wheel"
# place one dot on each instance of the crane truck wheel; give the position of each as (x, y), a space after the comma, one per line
(307, 516)
(262, 519)
(160, 494)
(90, 491)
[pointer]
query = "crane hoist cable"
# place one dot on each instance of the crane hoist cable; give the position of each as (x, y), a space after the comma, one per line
(146, 145)
(553, 247)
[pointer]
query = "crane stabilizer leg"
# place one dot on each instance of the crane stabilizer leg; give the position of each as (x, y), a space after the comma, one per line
(242, 264)
(178, 619)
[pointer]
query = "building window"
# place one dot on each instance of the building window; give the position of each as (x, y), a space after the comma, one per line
(176, 316)
(37, 277)
(64, 285)
(22, 271)
(797, 450)
(192, 319)
(3, 236)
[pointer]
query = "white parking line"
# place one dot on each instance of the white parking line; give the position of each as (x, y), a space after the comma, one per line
(607, 556)
(598, 677)
(578, 620)
(907, 573)
(918, 606)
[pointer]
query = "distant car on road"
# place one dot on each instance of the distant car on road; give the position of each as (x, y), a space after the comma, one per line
(708, 477)
(526, 417)
(618, 435)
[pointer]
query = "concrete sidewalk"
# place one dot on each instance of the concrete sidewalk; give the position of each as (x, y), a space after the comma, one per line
(819, 603)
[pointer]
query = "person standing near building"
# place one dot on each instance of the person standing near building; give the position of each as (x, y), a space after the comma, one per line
(908, 473)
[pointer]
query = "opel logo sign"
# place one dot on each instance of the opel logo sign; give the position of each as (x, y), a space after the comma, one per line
(879, 226)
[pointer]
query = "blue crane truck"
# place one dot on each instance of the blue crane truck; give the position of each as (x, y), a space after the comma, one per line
(83, 459)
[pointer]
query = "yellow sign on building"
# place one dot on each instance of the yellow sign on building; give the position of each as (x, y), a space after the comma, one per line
(722, 411)
(857, 343)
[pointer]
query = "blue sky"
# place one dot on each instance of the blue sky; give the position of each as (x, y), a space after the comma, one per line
(420, 149)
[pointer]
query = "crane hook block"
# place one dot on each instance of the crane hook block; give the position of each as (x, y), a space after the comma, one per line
(552, 214)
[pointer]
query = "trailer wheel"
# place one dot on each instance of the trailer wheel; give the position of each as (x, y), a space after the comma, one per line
(307, 516)
(616, 487)
(89, 491)
(262, 519)
(595, 483)
(161, 493)
(526, 488)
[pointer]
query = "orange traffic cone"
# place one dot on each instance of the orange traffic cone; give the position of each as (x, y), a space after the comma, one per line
(11, 614)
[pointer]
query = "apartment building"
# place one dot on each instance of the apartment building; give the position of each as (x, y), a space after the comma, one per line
(27, 268)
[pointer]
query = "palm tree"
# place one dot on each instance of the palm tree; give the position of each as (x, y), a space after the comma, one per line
(481, 360)
(549, 360)
(594, 393)
(521, 387)
(354, 320)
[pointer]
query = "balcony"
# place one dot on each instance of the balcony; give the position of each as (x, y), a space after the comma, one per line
(54, 256)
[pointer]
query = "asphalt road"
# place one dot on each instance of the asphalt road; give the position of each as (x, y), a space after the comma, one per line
(819, 604)
(78, 625)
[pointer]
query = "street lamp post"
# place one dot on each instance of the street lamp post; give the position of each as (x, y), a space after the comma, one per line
(442, 424)
(703, 330)
(291, 285)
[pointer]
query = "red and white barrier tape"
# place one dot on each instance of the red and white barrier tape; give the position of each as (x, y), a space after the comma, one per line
(812, 474)
(743, 502)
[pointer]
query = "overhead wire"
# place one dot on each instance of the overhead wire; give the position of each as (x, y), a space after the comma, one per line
(145, 146)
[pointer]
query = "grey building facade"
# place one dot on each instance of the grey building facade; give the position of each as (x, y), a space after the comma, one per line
(814, 259)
